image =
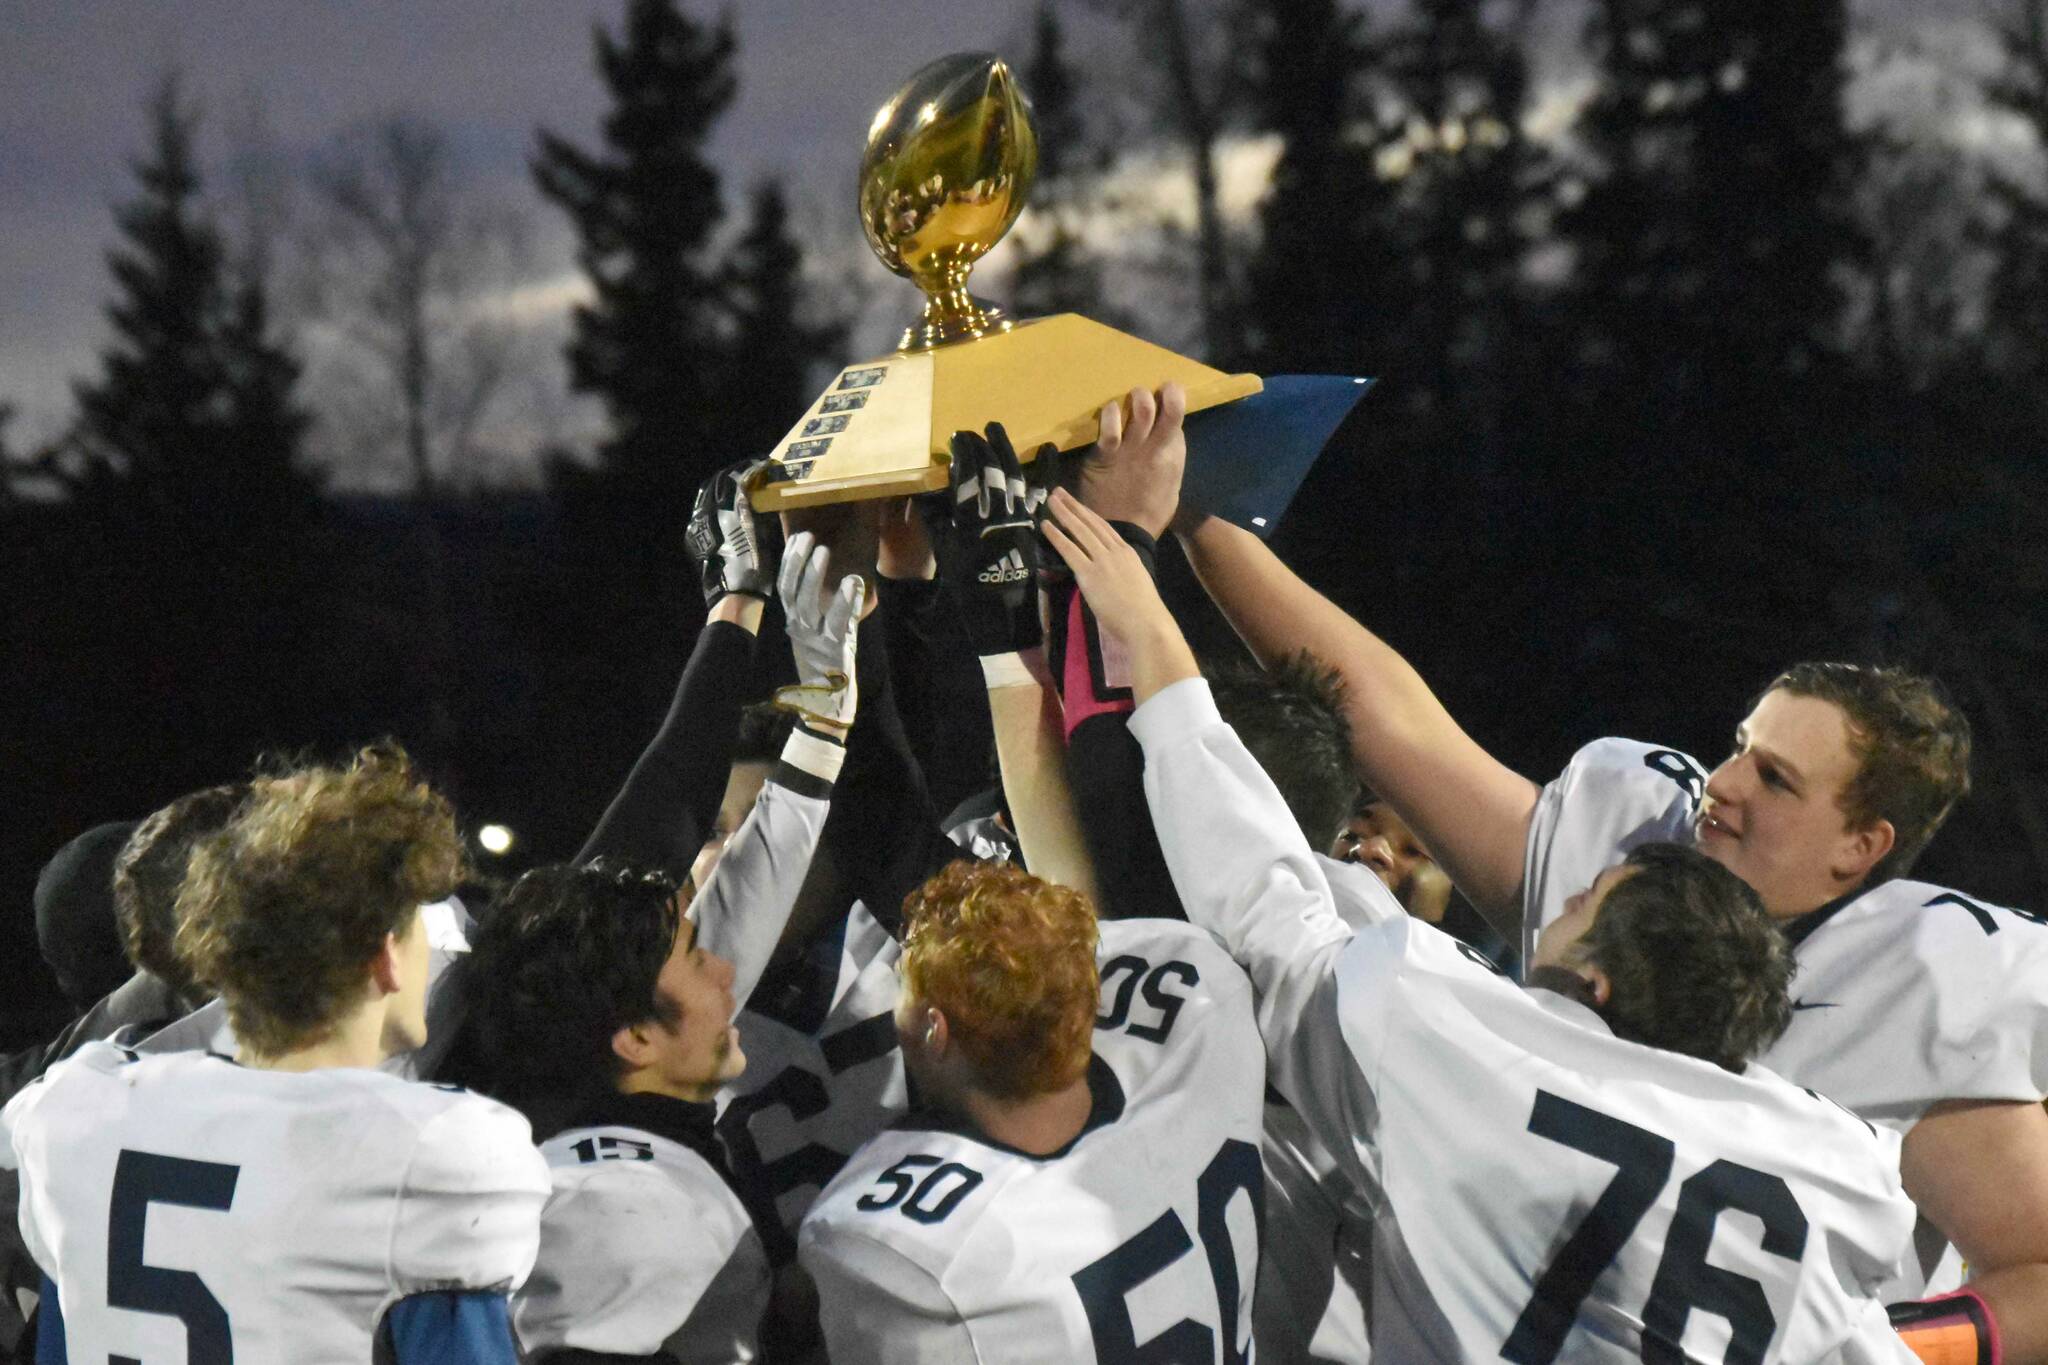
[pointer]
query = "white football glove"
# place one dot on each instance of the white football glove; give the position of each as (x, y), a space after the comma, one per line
(823, 624)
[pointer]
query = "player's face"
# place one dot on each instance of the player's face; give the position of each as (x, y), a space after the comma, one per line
(702, 1049)
(1379, 839)
(742, 785)
(405, 1010)
(1773, 813)
(1561, 935)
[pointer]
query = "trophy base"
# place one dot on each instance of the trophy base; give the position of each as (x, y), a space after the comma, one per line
(883, 427)
(964, 319)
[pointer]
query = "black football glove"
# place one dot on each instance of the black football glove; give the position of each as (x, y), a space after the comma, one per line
(735, 551)
(990, 549)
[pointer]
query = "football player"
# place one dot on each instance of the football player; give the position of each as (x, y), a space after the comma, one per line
(1615, 1102)
(1919, 1008)
(1081, 1181)
(291, 1202)
(605, 1018)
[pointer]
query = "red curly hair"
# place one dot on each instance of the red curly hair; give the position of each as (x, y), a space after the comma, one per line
(1010, 960)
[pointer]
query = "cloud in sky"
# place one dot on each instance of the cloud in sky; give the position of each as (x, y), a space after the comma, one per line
(811, 73)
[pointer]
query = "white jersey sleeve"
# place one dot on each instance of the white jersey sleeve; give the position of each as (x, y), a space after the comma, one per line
(880, 1307)
(644, 1250)
(1612, 796)
(740, 912)
(464, 1217)
(1245, 873)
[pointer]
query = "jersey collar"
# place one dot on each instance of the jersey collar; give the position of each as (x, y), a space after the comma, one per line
(1800, 927)
(1106, 1106)
(680, 1121)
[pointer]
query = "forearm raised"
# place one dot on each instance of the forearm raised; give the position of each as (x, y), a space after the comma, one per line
(1471, 811)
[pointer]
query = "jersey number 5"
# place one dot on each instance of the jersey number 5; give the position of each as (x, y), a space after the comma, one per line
(142, 1179)
(1685, 1280)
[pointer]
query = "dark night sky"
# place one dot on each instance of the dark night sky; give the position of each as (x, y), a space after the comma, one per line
(74, 72)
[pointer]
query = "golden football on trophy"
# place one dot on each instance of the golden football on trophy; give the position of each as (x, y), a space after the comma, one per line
(949, 161)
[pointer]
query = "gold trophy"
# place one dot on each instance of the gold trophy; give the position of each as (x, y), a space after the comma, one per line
(949, 161)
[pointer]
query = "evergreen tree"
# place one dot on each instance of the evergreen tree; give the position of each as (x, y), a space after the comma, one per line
(652, 341)
(1319, 295)
(2017, 226)
(193, 416)
(775, 353)
(1057, 275)
(1712, 237)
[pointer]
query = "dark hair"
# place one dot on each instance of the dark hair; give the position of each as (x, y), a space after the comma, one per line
(1912, 748)
(1694, 963)
(568, 956)
(283, 910)
(1291, 719)
(151, 869)
(764, 729)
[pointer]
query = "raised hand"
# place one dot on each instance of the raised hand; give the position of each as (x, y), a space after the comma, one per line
(1134, 474)
(991, 543)
(733, 550)
(1119, 589)
(822, 621)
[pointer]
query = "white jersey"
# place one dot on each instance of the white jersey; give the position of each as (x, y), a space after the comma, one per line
(644, 1250)
(936, 1245)
(1547, 1191)
(1315, 1268)
(1907, 994)
(184, 1205)
(823, 1075)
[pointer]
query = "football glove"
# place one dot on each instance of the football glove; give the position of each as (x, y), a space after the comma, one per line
(823, 626)
(733, 549)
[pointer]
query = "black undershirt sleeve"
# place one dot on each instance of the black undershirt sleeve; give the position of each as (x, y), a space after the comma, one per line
(660, 815)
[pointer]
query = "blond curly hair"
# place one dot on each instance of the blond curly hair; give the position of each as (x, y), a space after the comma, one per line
(283, 910)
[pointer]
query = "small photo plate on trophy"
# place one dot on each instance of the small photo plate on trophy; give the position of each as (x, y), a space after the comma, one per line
(863, 379)
(826, 426)
(843, 402)
(805, 450)
(789, 471)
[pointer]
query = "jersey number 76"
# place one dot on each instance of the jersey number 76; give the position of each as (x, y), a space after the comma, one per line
(1685, 1280)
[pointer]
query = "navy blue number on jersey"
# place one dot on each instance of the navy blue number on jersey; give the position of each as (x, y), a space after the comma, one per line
(804, 1095)
(930, 1199)
(142, 1179)
(1105, 1284)
(1137, 977)
(608, 1148)
(1684, 1280)
(1679, 769)
(1986, 921)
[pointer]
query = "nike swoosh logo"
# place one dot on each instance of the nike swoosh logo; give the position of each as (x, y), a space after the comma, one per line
(1813, 1004)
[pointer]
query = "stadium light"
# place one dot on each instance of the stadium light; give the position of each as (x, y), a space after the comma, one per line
(495, 839)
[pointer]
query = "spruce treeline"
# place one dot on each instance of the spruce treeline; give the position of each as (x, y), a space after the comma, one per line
(1670, 395)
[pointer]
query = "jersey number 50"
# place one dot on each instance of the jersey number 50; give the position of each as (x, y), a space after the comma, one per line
(1104, 1285)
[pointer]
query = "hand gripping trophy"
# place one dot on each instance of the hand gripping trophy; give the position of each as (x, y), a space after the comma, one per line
(949, 161)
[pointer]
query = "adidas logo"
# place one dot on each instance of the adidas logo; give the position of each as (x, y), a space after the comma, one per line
(1009, 569)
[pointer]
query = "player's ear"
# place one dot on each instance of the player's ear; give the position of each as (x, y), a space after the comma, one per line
(384, 969)
(1599, 988)
(935, 1032)
(633, 1045)
(1863, 849)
